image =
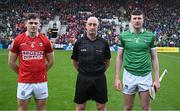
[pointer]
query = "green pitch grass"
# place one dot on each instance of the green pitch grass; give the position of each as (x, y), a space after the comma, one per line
(62, 77)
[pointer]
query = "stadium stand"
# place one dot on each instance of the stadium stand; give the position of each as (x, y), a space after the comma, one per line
(162, 17)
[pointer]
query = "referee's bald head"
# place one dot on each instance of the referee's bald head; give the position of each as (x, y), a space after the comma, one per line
(93, 19)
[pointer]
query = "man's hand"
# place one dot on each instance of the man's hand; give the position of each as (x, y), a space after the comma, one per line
(117, 84)
(156, 85)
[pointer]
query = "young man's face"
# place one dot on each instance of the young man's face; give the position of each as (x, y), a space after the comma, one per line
(33, 25)
(137, 21)
(92, 26)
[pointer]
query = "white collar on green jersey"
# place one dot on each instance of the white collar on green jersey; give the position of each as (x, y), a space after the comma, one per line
(131, 29)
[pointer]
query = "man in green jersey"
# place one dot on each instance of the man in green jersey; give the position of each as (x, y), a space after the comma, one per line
(138, 54)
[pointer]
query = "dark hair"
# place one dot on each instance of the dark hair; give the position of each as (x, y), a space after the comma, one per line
(32, 16)
(137, 12)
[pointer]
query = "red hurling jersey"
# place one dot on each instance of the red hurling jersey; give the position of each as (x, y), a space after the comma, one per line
(32, 60)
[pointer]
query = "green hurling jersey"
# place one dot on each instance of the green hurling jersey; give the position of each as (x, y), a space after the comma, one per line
(137, 51)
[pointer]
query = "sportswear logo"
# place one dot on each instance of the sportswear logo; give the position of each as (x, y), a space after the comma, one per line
(32, 44)
(137, 40)
(40, 44)
(83, 50)
(43, 93)
(126, 86)
(23, 93)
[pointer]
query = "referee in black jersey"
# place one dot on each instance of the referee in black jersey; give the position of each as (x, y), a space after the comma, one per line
(91, 57)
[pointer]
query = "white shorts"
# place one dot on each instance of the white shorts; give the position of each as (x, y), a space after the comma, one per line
(27, 90)
(133, 84)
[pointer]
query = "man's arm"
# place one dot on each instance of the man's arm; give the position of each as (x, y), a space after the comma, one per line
(50, 60)
(75, 64)
(117, 82)
(12, 61)
(155, 64)
(107, 63)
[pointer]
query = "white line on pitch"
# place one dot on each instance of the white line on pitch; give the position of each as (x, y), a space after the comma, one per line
(173, 57)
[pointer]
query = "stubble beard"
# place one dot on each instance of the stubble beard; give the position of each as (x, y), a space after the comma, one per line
(92, 34)
(32, 33)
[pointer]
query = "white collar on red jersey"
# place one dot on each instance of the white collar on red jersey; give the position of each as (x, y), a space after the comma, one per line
(36, 34)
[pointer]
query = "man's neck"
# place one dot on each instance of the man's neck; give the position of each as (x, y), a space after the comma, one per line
(92, 37)
(137, 30)
(32, 34)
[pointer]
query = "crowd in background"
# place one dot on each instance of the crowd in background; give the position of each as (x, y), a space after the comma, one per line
(161, 17)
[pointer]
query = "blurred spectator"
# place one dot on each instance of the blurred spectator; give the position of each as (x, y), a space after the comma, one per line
(162, 17)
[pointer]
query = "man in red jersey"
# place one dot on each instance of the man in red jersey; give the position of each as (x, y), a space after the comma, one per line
(33, 50)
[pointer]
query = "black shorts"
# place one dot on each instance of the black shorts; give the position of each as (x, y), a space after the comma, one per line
(94, 88)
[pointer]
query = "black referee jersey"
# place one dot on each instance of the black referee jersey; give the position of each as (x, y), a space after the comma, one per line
(91, 55)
